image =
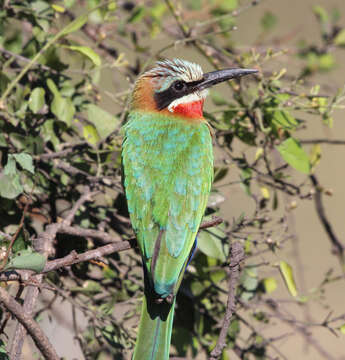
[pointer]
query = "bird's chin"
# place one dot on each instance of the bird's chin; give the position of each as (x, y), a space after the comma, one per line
(191, 110)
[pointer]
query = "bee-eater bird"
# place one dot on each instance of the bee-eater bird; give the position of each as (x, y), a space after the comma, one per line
(167, 162)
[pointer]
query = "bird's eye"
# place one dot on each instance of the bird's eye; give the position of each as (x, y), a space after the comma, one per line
(179, 86)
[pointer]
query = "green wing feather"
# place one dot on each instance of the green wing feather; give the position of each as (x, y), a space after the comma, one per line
(168, 169)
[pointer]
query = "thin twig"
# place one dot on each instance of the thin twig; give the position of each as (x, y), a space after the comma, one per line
(323, 141)
(338, 246)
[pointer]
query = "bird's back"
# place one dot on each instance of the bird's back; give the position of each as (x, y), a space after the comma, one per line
(168, 168)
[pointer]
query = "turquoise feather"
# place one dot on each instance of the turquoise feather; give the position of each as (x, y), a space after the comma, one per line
(168, 171)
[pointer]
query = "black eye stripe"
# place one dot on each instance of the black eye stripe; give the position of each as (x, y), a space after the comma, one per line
(164, 98)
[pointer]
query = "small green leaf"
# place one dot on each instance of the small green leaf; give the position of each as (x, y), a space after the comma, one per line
(88, 52)
(321, 14)
(268, 21)
(246, 175)
(326, 62)
(342, 329)
(75, 25)
(36, 100)
(25, 161)
(283, 119)
(58, 8)
(3, 351)
(287, 274)
(270, 284)
(3, 141)
(10, 167)
(52, 87)
(90, 134)
(340, 38)
(249, 279)
(292, 152)
(315, 156)
(217, 276)
(210, 243)
(27, 260)
(265, 192)
(10, 186)
(89, 286)
(104, 122)
(137, 15)
(63, 109)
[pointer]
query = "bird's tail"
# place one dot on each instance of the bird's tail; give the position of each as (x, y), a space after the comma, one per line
(154, 336)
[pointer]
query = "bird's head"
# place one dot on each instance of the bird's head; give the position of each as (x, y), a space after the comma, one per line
(178, 87)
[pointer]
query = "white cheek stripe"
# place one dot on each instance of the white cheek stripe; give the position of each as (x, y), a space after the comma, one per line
(196, 96)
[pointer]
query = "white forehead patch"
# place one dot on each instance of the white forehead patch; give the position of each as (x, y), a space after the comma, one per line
(193, 97)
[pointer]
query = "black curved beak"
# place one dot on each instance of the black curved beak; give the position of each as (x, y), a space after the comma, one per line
(218, 76)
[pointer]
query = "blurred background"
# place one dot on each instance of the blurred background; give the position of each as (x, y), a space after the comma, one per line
(284, 204)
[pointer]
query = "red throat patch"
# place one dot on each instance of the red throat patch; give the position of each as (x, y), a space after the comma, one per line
(190, 110)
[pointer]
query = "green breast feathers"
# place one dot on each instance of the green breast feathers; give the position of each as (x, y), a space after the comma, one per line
(168, 171)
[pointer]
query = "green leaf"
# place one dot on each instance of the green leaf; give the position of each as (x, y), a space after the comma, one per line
(3, 351)
(58, 8)
(27, 260)
(52, 87)
(249, 279)
(268, 21)
(3, 141)
(217, 276)
(292, 152)
(340, 38)
(315, 156)
(25, 161)
(88, 52)
(283, 119)
(90, 134)
(326, 62)
(321, 14)
(342, 329)
(36, 100)
(10, 186)
(63, 109)
(270, 284)
(104, 122)
(246, 175)
(75, 25)
(89, 286)
(287, 274)
(210, 243)
(137, 15)
(10, 167)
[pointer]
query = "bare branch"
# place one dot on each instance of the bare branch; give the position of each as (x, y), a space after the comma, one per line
(30, 325)
(323, 141)
(114, 245)
(236, 256)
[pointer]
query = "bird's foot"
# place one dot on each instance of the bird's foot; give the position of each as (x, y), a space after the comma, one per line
(169, 299)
